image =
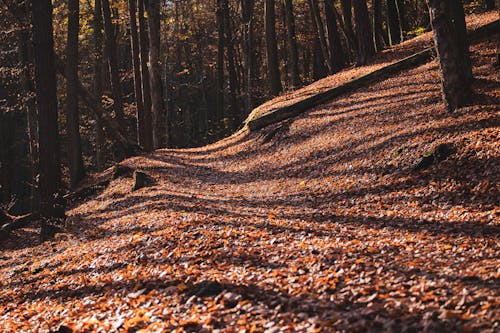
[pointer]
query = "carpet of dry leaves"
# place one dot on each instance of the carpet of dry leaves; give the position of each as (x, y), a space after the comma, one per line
(325, 227)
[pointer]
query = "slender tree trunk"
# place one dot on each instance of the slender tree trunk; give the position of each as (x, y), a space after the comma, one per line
(292, 42)
(336, 53)
(145, 81)
(393, 23)
(247, 14)
(448, 22)
(272, 48)
(233, 76)
(348, 25)
(46, 96)
(75, 159)
(364, 33)
(113, 63)
(136, 62)
(320, 30)
(220, 60)
(157, 109)
(97, 85)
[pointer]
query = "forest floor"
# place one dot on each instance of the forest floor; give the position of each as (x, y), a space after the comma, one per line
(323, 226)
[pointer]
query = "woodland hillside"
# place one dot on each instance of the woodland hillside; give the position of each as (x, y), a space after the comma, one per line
(249, 166)
(333, 223)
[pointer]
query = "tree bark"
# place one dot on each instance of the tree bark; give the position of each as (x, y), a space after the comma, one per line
(348, 25)
(136, 64)
(75, 158)
(320, 31)
(337, 58)
(248, 35)
(378, 33)
(157, 109)
(113, 63)
(233, 76)
(145, 81)
(97, 84)
(448, 22)
(292, 42)
(220, 61)
(364, 33)
(272, 48)
(46, 96)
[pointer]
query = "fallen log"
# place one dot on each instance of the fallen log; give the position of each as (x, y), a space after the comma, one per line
(299, 107)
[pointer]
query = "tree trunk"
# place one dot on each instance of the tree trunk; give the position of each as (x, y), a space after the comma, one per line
(145, 81)
(393, 23)
(292, 42)
(272, 48)
(336, 53)
(113, 63)
(157, 109)
(75, 159)
(348, 26)
(320, 31)
(97, 85)
(378, 32)
(248, 31)
(448, 22)
(233, 77)
(364, 33)
(31, 112)
(46, 96)
(220, 60)
(136, 63)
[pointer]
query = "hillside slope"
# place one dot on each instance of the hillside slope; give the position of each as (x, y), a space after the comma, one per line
(322, 225)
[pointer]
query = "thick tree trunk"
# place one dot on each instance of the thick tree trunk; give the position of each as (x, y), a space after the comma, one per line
(337, 58)
(74, 151)
(364, 33)
(292, 42)
(97, 84)
(157, 109)
(272, 48)
(145, 81)
(113, 62)
(393, 22)
(46, 96)
(31, 112)
(448, 22)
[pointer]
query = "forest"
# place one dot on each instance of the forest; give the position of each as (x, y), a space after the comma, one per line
(249, 166)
